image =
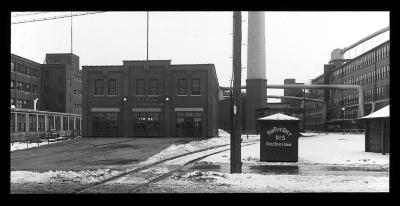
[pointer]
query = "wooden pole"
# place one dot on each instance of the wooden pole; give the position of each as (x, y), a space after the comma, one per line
(383, 136)
(236, 164)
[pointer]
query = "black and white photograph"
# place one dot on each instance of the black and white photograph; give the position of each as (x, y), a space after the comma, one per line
(181, 102)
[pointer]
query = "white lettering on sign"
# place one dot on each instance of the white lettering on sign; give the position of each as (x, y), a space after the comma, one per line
(278, 144)
(280, 137)
(279, 129)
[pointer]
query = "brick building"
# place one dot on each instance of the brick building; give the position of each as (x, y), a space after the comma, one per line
(150, 99)
(56, 84)
(61, 84)
(371, 70)
(25, 82)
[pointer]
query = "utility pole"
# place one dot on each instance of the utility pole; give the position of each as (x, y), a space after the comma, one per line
(236, 134)
(71, 32)
(304, 110)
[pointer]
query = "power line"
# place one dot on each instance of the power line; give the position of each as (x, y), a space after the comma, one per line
(56, 17)
(27, 14)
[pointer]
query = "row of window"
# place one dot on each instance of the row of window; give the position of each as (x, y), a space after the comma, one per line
(362, 62)
(153, 87)
(111, 87)
(182, 87)
(23, 69)
(37, 122)
(22, 103)
(381, 73)
(350, 113)
(25, 87)
(350, 99)
(381, 93)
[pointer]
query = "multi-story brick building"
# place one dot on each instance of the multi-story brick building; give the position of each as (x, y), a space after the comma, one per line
(371, 70)
(56, 85)
(150, 99)
(25, 82)
(61, 84)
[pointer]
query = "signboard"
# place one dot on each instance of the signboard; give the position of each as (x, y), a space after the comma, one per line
(148, 102)
(279, 141)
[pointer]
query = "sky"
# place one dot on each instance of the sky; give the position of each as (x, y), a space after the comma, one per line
(298, 44)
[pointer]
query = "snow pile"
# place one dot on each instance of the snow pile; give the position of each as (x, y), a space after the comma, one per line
(290, 183)
(85, 176)
(328, 148)
(174, 150)
(22, 145)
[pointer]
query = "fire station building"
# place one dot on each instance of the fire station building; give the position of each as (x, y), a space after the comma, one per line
(150, 99)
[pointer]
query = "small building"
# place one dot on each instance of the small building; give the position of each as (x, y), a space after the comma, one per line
(377, 131)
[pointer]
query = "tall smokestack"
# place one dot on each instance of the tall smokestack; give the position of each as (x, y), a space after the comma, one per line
(256, 82)
(256, 46)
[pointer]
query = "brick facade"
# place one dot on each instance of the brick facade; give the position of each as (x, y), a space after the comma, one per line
(153, 107)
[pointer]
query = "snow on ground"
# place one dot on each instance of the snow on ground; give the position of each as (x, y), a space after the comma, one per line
(85, 176)
(330, 148)
(173, 150)
(23, 145)
(249, 182)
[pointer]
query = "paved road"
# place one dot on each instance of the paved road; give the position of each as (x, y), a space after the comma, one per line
(90, 154)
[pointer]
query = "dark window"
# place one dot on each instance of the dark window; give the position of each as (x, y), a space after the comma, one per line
(112, 87)
(195, 86)
(28, 87)
(153, 87)
(19, 86)
(182, 87)
(98, 87)
(188, 124)
(19, 103)
(46, 89)
(19, 68)
(28, 70)
(140, 87)
(34, 89)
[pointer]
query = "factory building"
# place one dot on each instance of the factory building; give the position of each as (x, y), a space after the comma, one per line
(150, 99)
(371, 70)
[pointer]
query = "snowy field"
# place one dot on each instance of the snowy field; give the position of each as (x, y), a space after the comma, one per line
(314, 149)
